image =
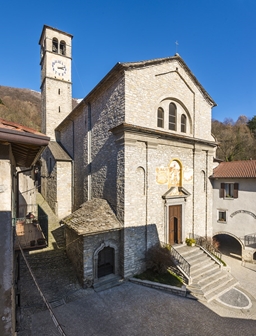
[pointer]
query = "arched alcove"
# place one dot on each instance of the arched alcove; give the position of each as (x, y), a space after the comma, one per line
(140, 180)
(228, 244)
(105, 259)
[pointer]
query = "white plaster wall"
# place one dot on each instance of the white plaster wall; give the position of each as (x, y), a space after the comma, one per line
(5, 185)
(240, 224)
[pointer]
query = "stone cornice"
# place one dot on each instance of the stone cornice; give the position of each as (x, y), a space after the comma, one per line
(158, 134)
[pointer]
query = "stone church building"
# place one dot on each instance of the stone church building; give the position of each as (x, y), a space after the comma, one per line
(129, 166)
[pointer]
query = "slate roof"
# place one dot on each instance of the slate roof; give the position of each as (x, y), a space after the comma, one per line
(58, 152)
(94, 216)
(235, 169)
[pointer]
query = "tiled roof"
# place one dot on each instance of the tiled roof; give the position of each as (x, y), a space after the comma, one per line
(235, 169)
(92, 217)
(9, 125)
(26, 143)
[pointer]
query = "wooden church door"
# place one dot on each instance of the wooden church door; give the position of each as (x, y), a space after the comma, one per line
(175, 224)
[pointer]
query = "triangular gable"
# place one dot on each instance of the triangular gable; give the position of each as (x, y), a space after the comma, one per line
(176, 192)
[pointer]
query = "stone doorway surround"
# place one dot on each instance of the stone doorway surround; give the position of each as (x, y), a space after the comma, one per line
(107, 243)
(175, 196)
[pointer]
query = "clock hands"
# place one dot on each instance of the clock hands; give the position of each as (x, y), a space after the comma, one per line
(62, 68)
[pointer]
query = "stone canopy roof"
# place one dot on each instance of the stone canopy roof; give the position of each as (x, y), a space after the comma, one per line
(235, 169)
(94, 216)
(58, 152)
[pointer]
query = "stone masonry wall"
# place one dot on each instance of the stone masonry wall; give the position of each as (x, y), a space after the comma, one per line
(74, 249)
(146, 214)
(49, 179)
(147, 87)
(91, 243)
(64, 191)
(107, 111)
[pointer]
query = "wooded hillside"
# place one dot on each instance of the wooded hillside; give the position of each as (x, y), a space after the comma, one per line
(237, 140)
(22, 106)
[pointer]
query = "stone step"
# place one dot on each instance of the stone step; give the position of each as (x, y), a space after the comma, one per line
(201, 269)
(107, 282)
(185, 250)
(221, 289)
(216, 276)
(207, 273)
(216, 284)
(200, 261)
(195, 256)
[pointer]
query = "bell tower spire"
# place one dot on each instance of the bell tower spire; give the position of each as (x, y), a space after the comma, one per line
(56, 85)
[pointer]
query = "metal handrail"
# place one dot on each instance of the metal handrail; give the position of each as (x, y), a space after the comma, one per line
(202, 241)
(180, 262)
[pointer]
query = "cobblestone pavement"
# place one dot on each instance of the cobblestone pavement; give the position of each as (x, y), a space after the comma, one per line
(54, 275)
(128, 309)
(135, 310)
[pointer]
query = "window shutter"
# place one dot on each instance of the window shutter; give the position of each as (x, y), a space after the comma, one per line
(235, 190)
(222, 187)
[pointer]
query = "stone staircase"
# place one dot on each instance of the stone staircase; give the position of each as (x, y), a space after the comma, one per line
(208, 279)
(107, 282)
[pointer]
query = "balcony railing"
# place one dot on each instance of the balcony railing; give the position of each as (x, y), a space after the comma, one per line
(250, 239)
(29, 234)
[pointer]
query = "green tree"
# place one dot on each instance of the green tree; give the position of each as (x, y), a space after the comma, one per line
(252, 126)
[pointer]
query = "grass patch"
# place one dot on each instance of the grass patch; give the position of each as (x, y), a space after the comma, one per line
(222, 261)
(168, 278)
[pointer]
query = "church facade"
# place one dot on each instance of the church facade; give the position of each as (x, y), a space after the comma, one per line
(141, 141)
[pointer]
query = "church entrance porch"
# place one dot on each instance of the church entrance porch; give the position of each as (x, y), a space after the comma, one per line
(106, 261)
(175, 224)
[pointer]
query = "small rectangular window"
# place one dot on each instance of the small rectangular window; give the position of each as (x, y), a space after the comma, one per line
(222, 216)
(229, 190)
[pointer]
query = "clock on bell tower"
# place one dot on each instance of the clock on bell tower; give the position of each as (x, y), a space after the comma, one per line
(56, 85)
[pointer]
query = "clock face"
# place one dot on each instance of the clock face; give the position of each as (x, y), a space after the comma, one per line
(59, 68)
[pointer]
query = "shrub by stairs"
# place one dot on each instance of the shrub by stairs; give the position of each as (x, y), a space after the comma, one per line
(209, 279)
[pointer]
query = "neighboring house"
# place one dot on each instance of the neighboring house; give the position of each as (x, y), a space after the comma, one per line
(19, 147)
(234, 206)
(141, 142)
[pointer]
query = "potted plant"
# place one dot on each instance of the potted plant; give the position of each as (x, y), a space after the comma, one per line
(190, 241)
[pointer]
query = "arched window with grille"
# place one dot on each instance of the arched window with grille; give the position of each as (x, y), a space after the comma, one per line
(160, 117)
(62, 47)
(172, 117)
(183, 123)
(55, 45)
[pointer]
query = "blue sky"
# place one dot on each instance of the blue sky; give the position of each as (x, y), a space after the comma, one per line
(217, 40)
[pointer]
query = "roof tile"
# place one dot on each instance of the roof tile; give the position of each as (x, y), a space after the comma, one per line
(235, 169)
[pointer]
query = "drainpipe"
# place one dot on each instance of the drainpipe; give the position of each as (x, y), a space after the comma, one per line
(17, 189)
(193, 200)
(72, 185)
(146, 191)
(89, 158)
(206, 193)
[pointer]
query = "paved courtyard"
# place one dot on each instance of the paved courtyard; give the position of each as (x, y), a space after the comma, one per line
(128, 310)
(131, 309)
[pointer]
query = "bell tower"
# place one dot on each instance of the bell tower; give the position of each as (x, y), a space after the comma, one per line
(56, 85)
